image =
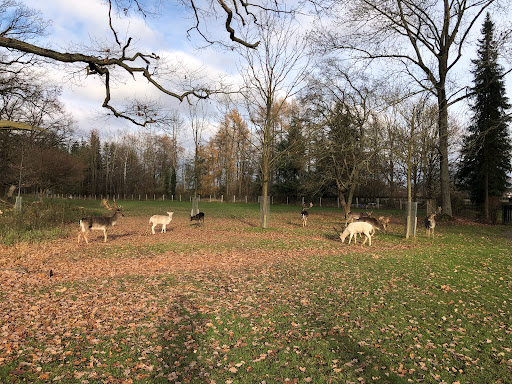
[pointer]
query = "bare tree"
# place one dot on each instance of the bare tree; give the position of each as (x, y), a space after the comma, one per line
(37, 106)
(346, 104)
(198, 123)
(272, 74)
(423, 40)
(19, 27)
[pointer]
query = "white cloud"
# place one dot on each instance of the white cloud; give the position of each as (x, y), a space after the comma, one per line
(76, 25)
(74, 21)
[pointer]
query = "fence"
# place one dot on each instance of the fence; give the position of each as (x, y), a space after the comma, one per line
(358, 202)
(318, 201)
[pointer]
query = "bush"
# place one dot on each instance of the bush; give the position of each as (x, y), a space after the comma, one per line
(38, 221)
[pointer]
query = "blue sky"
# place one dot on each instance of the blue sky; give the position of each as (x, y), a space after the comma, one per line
(77, 23)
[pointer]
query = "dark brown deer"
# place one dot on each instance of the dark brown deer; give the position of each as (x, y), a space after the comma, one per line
(199, 217)
(304, 214)
(350, 217)
(376, 223)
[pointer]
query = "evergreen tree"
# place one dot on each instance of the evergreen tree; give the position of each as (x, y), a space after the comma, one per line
(487, 150)
(173, 181)
(291, 163)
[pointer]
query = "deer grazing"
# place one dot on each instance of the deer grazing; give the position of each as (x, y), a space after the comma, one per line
(99, 223)
(384, 221)
(355, 228)
(350, 217)
(199, 217)
(160, 219)
(304, 214)
(379, 223)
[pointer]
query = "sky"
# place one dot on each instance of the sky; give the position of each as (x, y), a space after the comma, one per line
(74, 24)
(78, 23)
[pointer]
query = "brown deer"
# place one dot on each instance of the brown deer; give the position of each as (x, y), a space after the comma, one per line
(376, 223)
(304, 214)
(384, 221)
(430, 224)
(350, 217)
(99, 223)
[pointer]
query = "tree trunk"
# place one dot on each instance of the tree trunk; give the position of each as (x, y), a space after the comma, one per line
(265, 170)
(344, 207)
(486, 197)
(264, 202)
(391, 184)
(443, 152)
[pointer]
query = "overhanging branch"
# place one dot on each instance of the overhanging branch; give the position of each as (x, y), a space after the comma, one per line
(16, 126)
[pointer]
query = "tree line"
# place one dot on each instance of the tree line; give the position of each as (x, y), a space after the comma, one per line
(317, 151)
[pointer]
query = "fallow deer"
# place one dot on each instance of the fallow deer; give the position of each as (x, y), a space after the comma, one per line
(99, 223)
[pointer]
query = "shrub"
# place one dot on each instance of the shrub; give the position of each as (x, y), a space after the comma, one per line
(38, 221)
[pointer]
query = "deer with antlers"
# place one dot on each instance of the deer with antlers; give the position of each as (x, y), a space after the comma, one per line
(100, 223)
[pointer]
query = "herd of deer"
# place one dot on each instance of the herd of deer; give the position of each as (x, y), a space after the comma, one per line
(355, 223)
(101, 223)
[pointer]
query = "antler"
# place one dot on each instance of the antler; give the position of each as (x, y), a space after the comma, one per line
(105, 203)
(117, 207)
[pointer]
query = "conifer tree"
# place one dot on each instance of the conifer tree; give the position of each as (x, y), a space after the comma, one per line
(487, 150)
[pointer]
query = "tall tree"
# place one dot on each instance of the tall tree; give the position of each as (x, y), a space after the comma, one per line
(422, 39)
(487, 150)
(278, 68)
(291, 166)
(345, 103)
(94, 164)
(198, 119)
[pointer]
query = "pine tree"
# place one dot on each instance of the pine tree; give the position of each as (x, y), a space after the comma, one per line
(487, 150)
(291, 163)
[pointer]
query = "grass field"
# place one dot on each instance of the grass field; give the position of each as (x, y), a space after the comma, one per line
(228, 302)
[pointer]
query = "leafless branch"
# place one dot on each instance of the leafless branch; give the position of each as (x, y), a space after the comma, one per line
(231, 31)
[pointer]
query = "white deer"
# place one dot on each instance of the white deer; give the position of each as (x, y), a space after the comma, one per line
(160, 219)
(355, 228)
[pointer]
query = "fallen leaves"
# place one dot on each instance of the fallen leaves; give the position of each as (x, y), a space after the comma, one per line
(141, 309)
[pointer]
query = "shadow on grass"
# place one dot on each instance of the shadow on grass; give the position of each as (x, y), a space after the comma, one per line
(182, 336)
(294, 224)
(332, 237)
(199, 346)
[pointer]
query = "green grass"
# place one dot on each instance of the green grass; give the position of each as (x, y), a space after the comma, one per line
(398, 312)
(39, 221)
